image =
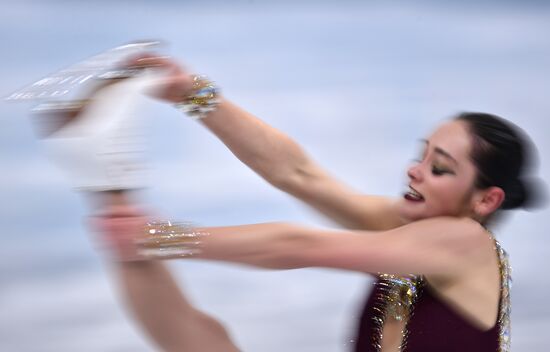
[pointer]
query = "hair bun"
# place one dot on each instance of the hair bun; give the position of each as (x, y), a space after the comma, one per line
(527, 193)
(516, 195)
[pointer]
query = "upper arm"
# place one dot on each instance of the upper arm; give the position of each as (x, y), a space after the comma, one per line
(317, 188)
(439, 246)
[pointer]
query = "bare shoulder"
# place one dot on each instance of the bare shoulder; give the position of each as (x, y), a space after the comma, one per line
(452, 229)
(439, 247)
(464, 243)
(458, 242)
(473, 236)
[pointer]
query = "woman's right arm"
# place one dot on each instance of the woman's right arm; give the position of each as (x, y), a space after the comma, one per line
(284, 164)
(280, 160)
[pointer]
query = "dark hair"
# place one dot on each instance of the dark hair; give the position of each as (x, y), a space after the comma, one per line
(501, 152)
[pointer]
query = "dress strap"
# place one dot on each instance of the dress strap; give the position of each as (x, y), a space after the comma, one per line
(505, 305)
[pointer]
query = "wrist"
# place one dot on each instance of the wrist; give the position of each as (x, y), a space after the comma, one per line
(201, 99)
(166, 240)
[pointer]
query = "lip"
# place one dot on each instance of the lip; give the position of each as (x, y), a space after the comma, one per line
(413, 195)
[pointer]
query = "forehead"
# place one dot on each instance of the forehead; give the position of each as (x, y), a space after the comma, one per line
(454, 138)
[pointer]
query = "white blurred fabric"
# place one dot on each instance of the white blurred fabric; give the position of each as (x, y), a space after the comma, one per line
(103, 149)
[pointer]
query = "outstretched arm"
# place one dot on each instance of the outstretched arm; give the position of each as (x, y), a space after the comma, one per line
(441, 247)
(437, 247)
(278, 159)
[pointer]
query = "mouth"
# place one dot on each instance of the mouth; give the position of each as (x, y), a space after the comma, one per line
(413, 195)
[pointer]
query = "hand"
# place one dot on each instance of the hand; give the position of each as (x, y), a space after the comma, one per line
(118, 228)
(175, 82)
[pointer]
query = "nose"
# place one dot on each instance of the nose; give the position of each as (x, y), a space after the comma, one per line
(414, 172)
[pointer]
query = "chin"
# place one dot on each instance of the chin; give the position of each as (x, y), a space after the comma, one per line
(412, 212)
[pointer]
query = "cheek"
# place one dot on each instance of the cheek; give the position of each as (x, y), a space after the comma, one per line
(449, 196)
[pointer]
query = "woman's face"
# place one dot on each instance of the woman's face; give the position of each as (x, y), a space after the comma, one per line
(441, 183)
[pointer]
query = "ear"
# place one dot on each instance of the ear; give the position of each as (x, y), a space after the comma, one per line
(489, 201)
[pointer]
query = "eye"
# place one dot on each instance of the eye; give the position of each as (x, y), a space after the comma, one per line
(439, 171)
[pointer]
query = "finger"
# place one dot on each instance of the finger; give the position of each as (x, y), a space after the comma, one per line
(152, 60)
(119, 211)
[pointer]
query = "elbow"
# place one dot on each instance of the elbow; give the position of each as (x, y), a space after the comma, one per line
(283, 179)
(292, 180)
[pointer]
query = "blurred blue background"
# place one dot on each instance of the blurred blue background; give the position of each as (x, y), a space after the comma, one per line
(357, 83)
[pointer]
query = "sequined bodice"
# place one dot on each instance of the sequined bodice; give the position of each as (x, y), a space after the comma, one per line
(430, 325)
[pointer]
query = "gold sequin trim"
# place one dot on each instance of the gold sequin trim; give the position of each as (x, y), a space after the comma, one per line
(396, 298)
(505, 306)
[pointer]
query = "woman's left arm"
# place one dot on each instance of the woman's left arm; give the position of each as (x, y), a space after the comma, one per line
(438, 246)
(434, 246)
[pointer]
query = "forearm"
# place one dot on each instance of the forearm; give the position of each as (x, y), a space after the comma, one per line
(266, 150)
(269, 245)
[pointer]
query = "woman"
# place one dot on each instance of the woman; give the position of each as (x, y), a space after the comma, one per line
(442, 277)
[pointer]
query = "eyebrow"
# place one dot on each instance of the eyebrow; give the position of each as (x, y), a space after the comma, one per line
(441, 151)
